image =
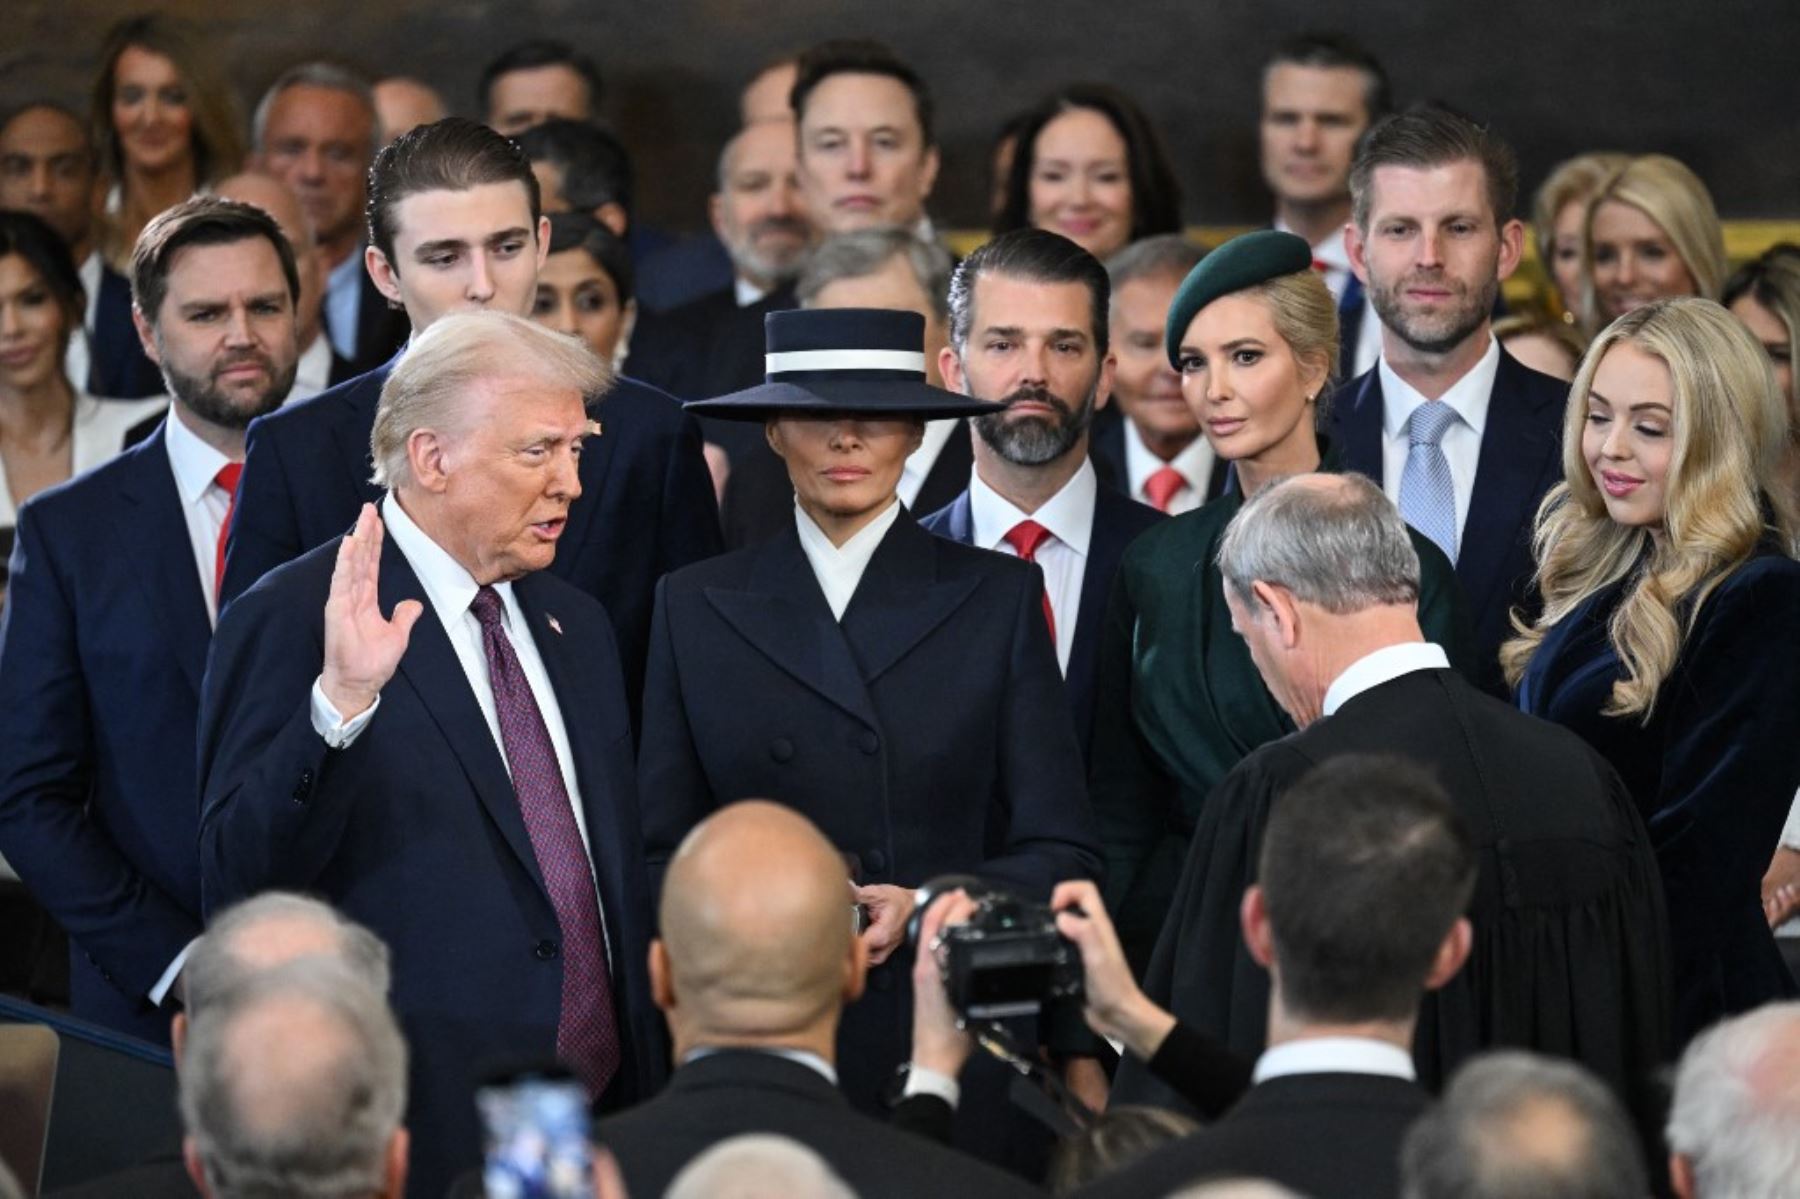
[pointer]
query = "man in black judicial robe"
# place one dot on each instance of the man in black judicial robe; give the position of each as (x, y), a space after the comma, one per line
(1570, 934)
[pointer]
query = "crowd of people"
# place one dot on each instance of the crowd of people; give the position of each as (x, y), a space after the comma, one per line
(450, 624)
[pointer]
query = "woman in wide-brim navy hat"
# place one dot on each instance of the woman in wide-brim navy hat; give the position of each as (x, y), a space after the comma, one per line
(898, 689)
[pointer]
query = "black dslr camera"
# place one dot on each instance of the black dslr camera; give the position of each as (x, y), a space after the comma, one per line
(1008, 960)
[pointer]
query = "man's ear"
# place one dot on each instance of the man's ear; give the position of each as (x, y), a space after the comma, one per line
(951, 371)
(662, 982)
(1512, 247)
(426, 451)
(715, 214)
(543, 239)
(398, 1151)
(1451, 954)
(196, 1170)
(1109, 367)
(1681, 1176)
(1357, 246)
(928, 175)
(856, 970)
(178, 1031)
(383, 275)
(612, 215)
(1282, 611)
(146, 334)
(1253, 917)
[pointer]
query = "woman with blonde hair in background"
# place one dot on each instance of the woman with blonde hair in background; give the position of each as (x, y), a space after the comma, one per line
(1667, 637)
(1652, 233)
(1559, 220)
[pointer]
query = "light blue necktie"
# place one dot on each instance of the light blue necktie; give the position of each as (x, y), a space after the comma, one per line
(1427, 493)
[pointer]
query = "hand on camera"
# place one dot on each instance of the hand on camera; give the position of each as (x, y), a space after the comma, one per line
(1114, 1006)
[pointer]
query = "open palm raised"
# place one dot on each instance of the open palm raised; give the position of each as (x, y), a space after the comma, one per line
(362, 648)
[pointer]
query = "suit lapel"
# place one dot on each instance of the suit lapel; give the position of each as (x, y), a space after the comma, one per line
(436, 676)
(961, 523)
(1356, 429)
(577, 693)
(154, 531)
(898, 603)
(1514, 454)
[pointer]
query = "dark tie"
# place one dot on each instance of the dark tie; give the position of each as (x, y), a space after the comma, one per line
(587, 1033)
(1163, 486)
(227, 479)
(1025, 537)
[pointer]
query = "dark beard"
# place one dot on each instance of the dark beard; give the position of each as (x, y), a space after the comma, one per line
(1437, 336)
(202, 395)
(1037, 440)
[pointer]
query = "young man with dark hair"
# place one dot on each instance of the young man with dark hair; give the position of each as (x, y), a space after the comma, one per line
(867, 152)
(455, 224)
(1320, 93)
(109, 614)
(536, 80)
(1462, 436)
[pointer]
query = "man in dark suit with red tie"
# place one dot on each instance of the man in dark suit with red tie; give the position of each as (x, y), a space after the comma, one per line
(111, 605)
(422, 724)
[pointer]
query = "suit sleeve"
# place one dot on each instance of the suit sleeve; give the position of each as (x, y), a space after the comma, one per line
(1049, 825)
(690, 507)
(130, 928)
(1133, 796)
(264, 533)
(672, 783)
(275, 800)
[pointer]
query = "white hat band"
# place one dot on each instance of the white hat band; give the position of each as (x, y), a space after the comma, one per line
(911, 361)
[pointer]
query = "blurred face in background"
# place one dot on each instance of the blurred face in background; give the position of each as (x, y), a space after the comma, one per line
(47, 169)
(1080, 182)
(576, 296)
(150, 112)
(1311, 118)
(1635, 262)
(1145, 386)
(758, 211)
(863, 158)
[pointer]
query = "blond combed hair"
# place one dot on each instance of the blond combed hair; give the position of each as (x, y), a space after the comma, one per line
(1730, 425)
(1307, 318)
(457, 353)
(1667, 192)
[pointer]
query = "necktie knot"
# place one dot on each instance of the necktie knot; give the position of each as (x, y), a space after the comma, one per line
(1429, 422)
(1025, 537)
(486, 607)
(1162, 487)
(228, 476)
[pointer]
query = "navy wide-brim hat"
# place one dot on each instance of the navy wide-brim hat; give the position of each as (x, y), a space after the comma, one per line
(858, 361)
(1242, 262)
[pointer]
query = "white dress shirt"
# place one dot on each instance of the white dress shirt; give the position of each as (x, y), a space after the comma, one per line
(1382, 666)
(1195, 464)
(1069, 515)
(312, 373)
(1333, 1055)
(799, 1057)
(919, 463)
(839, 568)
(745, 292)
(1461, 444)
(78, 359)
(96, 434)
(203, 502)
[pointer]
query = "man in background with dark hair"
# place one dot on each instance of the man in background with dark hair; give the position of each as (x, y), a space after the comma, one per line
(1570, 933)
(1320, 94)
(455, 224)
(535, 81)
(110, 610)
(868, 155)
(580, 167)
(1357, 912)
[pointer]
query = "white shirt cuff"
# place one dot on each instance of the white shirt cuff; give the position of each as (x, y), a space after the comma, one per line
(160, 991)
(920, 1081)
(1790, 836)
(326, 721)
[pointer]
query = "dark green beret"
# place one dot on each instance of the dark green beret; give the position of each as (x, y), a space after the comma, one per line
(1239, 263)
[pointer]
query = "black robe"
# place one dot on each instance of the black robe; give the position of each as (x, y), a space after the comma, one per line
(1570, 937)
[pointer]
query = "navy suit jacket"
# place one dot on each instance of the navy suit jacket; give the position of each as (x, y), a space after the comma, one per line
(414, 830)
(926, 733)
(646, 504)
(102, 648)
(1521, 459)
(1117, 521)
(118, 368)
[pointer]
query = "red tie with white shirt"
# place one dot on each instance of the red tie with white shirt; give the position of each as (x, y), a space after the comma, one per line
(1025, 538)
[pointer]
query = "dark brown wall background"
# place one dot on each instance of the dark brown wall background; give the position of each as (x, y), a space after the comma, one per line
(1710, 81)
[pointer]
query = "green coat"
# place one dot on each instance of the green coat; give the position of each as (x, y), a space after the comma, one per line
(1179, 703)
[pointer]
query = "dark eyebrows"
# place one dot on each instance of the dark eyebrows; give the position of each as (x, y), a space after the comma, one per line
(439, 246)
(516, 233)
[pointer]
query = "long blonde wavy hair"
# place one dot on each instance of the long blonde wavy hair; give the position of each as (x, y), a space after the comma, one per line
(1730, 426)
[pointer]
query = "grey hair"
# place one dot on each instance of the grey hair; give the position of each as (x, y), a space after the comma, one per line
(1235, 1188)
(458, 351)
(1481, 1142)
(1167, 255)
(213, 968)
(1736, 1111)
(327, 75)
(853, 255)
(295, 1117)
(1341, 547)
(758, 1166)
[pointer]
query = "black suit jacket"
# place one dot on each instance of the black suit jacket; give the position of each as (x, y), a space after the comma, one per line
(1328, 1136)
(158, 1178)
(927, 733)
(118, 368)
(646, 504)
(414, 830)
(733, 1092)
(1117, 521)
(759, 496)
(1521, 459)
(103, 644)
(381, 329)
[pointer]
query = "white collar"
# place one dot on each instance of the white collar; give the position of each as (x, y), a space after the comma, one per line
(1329, 250)
(802, 1057)
(1194, 463)
(1469, 395)
(1382, 666)
(312, 373)
(851, 557)
(1334, 1055)
(195, 463)
(447, 583)
(745, 292)
(1068, 515)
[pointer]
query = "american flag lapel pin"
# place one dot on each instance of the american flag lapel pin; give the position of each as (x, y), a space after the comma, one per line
(555, 624)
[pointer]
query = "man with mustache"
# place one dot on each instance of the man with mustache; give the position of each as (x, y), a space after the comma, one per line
(1462, 437)
(112, 602)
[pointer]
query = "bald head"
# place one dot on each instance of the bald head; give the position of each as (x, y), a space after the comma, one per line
(402, 104)
(756, 928)
(279, 201)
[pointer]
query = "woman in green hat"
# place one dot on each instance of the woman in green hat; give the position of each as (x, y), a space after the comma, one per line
(1253, 332)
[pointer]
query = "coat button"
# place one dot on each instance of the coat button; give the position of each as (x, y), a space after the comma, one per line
(303, 786)
(545, 950)
(875, 860)
(867, 741)
(782, 750)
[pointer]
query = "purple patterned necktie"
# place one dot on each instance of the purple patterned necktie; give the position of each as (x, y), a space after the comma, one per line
(587, 1033)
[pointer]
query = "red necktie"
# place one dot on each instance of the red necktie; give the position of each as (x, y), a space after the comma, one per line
(1162, 487)
(1025, 537)
(587, 1029)
(227, 478)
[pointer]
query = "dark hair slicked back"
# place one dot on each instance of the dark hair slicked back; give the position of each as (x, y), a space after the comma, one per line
(202, 220)
(453, 154)
(1037, 255)
(860, 56)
